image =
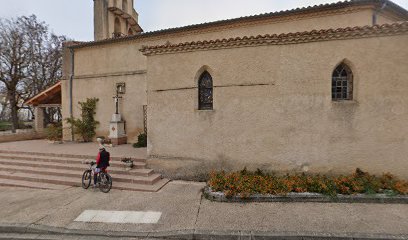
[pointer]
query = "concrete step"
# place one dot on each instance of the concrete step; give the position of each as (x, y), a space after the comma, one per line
(137, 170)
(151, 179)
(76, 181)
(113, 163)
(60, 171)
(81, 156)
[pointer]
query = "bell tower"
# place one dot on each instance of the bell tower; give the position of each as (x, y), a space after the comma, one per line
(115, 18)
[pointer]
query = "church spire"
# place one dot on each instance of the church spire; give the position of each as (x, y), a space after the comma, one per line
(115, 18)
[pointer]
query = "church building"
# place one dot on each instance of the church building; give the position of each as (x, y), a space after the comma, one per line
(320, 89)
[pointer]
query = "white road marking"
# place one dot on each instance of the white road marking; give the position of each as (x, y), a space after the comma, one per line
(97, 216)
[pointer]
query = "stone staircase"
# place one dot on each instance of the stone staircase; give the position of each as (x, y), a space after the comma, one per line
(61, 171)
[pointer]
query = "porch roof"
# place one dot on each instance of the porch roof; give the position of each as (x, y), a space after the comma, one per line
(50, 96)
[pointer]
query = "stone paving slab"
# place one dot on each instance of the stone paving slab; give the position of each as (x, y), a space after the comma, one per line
(305, 217)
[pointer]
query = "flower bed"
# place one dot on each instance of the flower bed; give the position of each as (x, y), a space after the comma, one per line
(245, 184)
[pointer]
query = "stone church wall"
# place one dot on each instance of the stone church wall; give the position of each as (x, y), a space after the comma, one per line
(97, 71)
(273, 109)
(99, 68)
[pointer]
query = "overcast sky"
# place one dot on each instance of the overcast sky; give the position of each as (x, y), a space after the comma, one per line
(74, 18)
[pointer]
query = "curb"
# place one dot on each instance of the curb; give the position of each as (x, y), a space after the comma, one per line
(194, 234)
(307, 197)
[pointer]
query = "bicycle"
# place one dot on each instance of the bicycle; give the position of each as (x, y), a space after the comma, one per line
(104, 180)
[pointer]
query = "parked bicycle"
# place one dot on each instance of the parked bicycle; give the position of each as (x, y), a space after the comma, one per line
(104, 180)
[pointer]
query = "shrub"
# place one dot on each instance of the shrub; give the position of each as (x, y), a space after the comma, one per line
(86, 126)
(126, 160)
(141, 141)
(245, 183)
(54, 131)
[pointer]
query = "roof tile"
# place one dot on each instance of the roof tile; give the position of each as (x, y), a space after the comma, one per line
(281, 39)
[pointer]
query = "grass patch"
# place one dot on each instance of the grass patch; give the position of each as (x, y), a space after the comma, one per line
(5, 126)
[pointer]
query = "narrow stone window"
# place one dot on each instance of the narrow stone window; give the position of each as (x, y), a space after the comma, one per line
(118, 28)
(342, 83)
(205, 92)
(125, 5)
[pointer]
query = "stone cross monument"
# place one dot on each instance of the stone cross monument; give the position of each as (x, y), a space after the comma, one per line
(117, 133)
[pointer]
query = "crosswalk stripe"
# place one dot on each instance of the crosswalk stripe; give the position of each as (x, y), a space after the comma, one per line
(135, 217)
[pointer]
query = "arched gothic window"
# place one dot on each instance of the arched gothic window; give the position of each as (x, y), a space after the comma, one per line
(205, 92)
(342, 83)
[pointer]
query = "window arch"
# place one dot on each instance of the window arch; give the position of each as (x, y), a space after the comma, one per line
(205, 92)
(342, 83)
(118, 27)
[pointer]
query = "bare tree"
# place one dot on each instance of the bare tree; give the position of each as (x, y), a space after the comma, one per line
(3, 103)
(13, 62)
(30, 60)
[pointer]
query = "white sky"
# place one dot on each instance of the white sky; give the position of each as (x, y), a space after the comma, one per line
(74, 18)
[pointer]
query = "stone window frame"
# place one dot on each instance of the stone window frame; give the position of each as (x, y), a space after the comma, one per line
(205, 88)
(342, 83)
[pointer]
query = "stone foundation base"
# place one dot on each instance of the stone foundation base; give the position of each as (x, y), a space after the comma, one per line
(307, 197)
(118, 141)
(23, 136)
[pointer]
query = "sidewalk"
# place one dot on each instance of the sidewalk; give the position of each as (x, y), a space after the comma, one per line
(186, 215)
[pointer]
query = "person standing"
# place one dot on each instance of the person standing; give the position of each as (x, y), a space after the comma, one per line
(102, 163)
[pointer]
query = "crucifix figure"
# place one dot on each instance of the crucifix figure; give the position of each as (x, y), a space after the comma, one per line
(117, 97)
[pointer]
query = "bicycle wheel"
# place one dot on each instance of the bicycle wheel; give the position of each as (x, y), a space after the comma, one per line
(105, 182)
(86, 179)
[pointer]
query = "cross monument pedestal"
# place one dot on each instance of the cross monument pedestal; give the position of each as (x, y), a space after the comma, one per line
(117, 133)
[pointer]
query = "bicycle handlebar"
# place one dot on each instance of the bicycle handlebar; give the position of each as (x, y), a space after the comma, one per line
(90, 162)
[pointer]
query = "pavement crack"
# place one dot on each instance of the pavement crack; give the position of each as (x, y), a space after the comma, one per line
(39, 220)
(198, 212)
(73, 200)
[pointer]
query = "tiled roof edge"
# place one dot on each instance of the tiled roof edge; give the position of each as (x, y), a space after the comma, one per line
(320, 7)
(281, 39)
(309, 9)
